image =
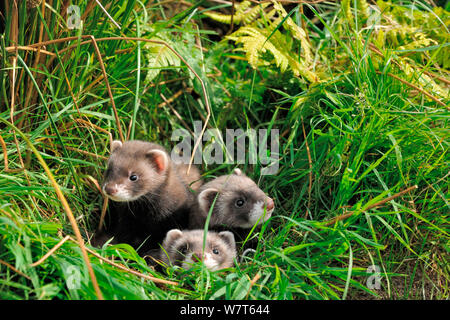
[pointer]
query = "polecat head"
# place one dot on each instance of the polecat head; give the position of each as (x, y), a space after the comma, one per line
(135, 168)
(184, 248)
(240, 202)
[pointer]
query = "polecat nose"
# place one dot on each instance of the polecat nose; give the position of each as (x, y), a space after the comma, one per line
(197, 257)
(269, 204)
(110, 190)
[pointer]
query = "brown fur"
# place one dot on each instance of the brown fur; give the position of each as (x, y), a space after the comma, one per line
(229, 189)
(191, 179)
(144, 209)
(140, 158)
(182, 248)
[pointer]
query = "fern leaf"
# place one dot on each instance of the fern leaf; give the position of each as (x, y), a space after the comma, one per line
(222, 18)
(256, 43)
(421, 42)
(426, 82)
(297, 32)
(158, 57)
(250, 15)
(242, 14)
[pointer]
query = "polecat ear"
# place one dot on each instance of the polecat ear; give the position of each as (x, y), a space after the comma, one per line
(228, 237)
(115, 145)
(238, 172)
(206, 198)
(159, 159)
(173, 235)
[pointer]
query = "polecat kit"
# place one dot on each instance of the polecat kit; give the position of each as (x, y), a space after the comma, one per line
(157, 205)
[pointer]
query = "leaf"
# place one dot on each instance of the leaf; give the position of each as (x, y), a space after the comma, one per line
(158, 57)
(427, 82)
(256, 43)
(347, 12)
(241, 15)
(297, 32)
(363, 7)
(243, 286)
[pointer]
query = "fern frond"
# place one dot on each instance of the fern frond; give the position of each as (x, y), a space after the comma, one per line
(242, 15)
(158, 57)
(404, 29)
(222, 18)
(426, 82)
(296, 31)
(421, 42)
(256, 43)
(251, 15)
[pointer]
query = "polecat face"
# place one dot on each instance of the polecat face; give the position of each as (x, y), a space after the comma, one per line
(184, 248)
(240, 202)
(135, 168)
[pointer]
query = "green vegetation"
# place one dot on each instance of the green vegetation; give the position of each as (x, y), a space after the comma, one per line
(359, 93)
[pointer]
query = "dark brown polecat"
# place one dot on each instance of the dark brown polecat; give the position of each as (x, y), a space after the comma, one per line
(149, 194)
(184, 248)
(240, 204)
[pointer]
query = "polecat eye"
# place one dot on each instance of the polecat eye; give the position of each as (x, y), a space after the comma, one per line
(215, 251)
(183, 249)
(239, 202)
(133, 177)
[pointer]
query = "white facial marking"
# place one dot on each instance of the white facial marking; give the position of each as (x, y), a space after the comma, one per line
(208, 260)
(255, 214)
(121, 195)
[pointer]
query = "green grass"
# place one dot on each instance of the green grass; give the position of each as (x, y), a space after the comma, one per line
(368, 135)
